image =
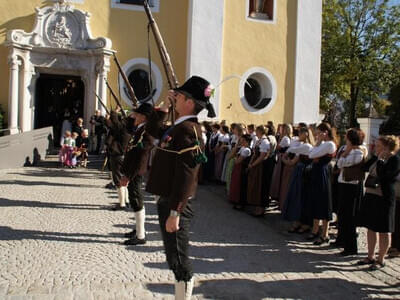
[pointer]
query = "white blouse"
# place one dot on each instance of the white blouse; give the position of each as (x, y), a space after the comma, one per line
(285, 142)
(254, 140)
(323, 149)
(354, 157)
(245, 152)
(294, 142)
(265, 145)
(301, 149)
(223, 138)
(234, 139)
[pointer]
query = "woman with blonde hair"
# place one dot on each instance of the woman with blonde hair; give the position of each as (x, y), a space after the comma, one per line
(379, 203)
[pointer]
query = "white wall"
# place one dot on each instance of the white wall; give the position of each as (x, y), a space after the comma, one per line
(205, 43)
(308, 61)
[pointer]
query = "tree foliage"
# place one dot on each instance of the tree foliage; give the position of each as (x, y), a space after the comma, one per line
(360, 53)
(392, 125)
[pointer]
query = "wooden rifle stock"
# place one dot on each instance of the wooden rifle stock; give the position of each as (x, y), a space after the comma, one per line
(102, 103)
(115, 98)
(131, 92)
(166, 60)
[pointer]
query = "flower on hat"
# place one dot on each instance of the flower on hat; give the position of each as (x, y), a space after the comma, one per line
(209, 91)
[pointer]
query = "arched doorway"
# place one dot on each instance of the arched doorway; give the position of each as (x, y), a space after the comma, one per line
(60, 43)
(58, 98)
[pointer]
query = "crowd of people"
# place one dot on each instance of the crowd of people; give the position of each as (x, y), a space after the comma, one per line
(316, 181)
(76, 142)
(304, 171)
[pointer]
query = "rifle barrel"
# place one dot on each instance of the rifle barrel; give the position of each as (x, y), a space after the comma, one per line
(166, 60)
(102, 103)
(131, 92)
(115, 98)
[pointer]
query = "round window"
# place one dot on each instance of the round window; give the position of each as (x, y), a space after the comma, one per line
(137, 71)
(258, 90)
(140, 82)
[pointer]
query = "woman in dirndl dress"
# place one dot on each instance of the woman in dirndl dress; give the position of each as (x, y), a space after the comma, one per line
(238, 131)
(256, 195)
(296, 203)
(285, 137)
(220, 151)
(211, 150)
(229, 149)
(238, 186)
(321, 194)
(350, 189)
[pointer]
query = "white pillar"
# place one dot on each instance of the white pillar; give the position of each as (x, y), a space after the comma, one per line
(25, 110)
(370, 126)
(308, 61)
(13, 95)
(102, 90)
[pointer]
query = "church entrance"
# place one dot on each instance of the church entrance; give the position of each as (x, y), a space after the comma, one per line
(59, 99)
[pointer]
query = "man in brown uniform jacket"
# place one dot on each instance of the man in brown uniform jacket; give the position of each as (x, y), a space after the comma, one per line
(174, 174)
(117, 142)
(134, 168)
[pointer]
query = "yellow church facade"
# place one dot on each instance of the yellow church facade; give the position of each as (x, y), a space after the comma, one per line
(57, 55)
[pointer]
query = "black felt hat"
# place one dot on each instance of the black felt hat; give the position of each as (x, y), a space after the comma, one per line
(200, 90)
(145, 109)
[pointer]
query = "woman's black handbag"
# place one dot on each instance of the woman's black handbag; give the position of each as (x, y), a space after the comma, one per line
(372, 182)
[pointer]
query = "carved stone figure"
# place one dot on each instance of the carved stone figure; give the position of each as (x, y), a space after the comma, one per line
(61, 33)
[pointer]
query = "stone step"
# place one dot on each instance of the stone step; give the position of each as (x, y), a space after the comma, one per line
(52, 161)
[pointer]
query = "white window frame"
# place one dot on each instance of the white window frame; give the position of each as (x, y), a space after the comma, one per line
(274, 17)
(117, 4)
(72, 1)
(142, 63)
(266, 76)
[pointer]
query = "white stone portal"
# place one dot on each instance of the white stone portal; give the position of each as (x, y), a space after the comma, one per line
(61, 43)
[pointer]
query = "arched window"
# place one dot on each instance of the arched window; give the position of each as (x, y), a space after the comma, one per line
(136, 2)
(261, 9)
(135, 5)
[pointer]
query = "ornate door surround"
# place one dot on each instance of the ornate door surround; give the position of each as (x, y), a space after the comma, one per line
(60, 43)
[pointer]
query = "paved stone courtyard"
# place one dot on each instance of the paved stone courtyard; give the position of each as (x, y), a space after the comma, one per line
(59, 240)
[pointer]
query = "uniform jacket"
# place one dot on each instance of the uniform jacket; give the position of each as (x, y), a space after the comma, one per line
(137, 155)
(118, 137)
(175, 176)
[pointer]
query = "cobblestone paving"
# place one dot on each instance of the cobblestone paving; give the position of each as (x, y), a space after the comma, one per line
(60, 241)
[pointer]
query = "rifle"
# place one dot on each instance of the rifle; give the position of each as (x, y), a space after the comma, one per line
(102, 103)
(131, 92)
(166, 60)
(115, 98)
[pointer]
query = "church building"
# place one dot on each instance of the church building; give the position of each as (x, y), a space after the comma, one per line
(263, 57)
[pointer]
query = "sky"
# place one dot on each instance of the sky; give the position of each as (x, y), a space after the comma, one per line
(394, 2)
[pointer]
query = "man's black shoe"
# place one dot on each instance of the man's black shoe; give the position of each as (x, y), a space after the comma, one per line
(135, 241)
(118, 207)
(348, 253)
(130, 234)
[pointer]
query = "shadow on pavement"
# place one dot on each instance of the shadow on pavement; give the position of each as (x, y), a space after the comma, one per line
(10, 234)
(27, 203)
(245, 289)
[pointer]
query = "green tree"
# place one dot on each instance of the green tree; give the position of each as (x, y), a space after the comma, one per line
(360, 52)
(392, 125)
